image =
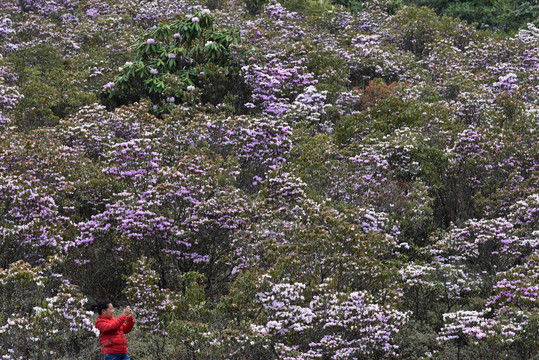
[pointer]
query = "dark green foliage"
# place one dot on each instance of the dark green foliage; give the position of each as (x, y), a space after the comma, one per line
(499, 15)
(419, 27)
(502, 15)
(51, 86)
(175, 60)
(416, 339)
(383, 118)
(255, 6)
(354, 5)
(214, 4)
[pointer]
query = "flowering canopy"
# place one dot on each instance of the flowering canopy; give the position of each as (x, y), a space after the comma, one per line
(267, 180)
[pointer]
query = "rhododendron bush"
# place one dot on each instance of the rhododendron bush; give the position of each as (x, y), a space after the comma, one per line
(264, 179)
(45, 313)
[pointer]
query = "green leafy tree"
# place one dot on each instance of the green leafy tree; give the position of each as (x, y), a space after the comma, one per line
(174, 61)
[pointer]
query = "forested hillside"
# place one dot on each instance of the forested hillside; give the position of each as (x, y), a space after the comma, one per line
(498, 15)
(270, 180)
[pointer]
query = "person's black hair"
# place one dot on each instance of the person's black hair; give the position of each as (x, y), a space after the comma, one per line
(100, 306)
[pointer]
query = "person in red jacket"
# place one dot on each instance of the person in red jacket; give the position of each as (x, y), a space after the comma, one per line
(112, 330)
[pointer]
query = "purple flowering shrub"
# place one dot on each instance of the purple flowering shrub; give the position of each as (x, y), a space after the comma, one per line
(41, 205)
(504, 200)
(209, 228)
(366, 177)
(263, 145)
(32, 226)
(135, 162)
(276, 85)
(148, 14)
(515, 293)
(275, 24)
(369, 58)
(172, 218)
(510, 315)
(359, 173)
(489, 159)
(509, 319)
(257, 144)
(47, 6)
(116, 237)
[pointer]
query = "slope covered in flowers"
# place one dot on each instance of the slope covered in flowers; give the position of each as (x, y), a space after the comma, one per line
(267, 180)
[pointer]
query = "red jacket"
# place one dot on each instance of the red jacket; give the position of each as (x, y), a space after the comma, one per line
(112, 331)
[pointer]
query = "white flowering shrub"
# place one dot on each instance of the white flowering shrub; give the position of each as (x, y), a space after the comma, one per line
(482, 330)
(489, 245)
(42, 315)
(310, 106)
(529, 35)
(311, 323)
(94, 130)
(152, 304)
(284, 303)
(432, 289)
(285, 191)
(9, 92)
(525, 215)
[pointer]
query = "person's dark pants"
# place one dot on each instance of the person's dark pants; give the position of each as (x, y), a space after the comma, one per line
(115, 357)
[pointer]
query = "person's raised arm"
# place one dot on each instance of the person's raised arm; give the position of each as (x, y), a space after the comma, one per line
(113, 324)
(129, 323)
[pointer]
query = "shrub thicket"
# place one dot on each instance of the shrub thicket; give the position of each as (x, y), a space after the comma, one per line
(315, 183)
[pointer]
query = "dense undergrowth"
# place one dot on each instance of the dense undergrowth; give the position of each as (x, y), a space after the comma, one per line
(263, 180)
